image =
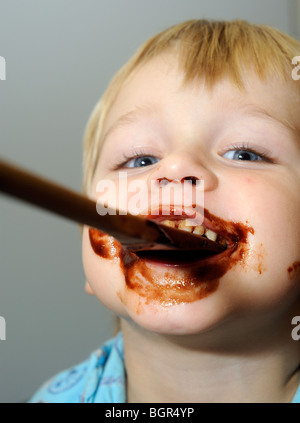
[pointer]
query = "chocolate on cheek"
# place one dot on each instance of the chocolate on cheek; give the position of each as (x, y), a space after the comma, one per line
(104, 245)
(294, 269)
(173, 285)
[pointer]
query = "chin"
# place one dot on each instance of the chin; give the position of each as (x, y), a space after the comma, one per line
(169, 318)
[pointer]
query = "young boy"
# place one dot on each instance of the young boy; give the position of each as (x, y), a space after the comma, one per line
(214, 102)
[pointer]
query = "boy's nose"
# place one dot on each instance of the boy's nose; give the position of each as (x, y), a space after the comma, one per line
(192, 179)
(180, 168)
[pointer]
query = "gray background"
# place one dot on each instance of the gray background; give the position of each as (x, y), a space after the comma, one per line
(60, 55)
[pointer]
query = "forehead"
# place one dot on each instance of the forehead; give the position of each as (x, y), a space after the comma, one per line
(158, 86)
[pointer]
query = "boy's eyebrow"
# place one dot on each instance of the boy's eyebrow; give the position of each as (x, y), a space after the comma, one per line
(134, 115)
(130, 117)
(256, 109)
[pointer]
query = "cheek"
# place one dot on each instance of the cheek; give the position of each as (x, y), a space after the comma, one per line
(271, 206)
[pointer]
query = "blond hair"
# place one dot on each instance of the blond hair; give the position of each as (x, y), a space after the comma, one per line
(205, 49)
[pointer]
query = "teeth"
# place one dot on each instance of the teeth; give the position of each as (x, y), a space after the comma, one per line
(170, 223)
(199, 230)
(190, 226)
(186, 225)
(211, 235)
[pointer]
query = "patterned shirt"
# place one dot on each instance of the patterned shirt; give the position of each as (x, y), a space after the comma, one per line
(99, 379)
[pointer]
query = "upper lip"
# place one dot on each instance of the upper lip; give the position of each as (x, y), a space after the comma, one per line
(176, 212)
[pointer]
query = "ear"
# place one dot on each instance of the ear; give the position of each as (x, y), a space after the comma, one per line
(88, 288)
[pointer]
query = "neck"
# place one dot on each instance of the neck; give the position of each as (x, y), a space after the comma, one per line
(262, 367)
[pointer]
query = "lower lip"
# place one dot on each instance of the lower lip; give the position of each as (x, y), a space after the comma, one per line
(167, 281)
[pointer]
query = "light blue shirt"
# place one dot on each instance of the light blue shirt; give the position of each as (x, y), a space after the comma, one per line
(100, 379)
(296, 399)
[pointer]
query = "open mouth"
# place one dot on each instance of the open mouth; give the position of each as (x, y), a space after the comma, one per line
(217, 240)
(179, 240)
(200, 264)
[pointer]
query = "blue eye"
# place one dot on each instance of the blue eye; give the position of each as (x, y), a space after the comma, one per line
(141, 161)
(245, 155)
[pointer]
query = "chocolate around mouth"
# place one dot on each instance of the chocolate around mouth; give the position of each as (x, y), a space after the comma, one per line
(184, 247)
(187, 248)
(171, 238)
(202, 268)
(181, 241)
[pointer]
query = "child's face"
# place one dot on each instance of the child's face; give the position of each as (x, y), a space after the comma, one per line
(246, 148)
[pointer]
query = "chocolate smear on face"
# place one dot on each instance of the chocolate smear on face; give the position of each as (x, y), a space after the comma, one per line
(292, 270)
(187, 279)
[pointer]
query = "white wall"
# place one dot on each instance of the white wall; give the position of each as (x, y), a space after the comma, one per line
(60, 54)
